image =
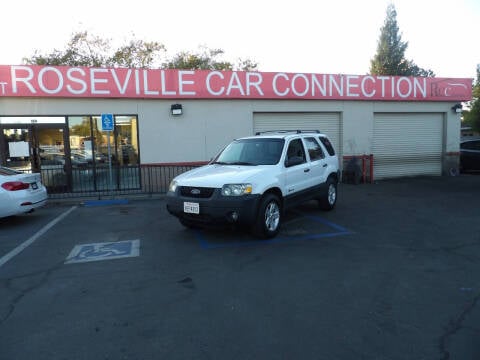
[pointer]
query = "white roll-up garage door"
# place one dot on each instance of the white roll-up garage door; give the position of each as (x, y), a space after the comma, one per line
(326, 123)
(407, 145)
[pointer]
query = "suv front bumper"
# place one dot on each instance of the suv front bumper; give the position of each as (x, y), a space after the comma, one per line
(215, 210)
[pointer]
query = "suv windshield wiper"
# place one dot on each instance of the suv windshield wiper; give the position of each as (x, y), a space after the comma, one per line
(235, 163)
(241, 163)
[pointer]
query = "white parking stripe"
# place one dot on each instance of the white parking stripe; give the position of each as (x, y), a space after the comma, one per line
(30, 241)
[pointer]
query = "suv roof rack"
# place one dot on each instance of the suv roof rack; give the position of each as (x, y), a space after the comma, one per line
(298, 131)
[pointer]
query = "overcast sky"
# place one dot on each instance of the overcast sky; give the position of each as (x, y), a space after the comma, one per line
(301, 36)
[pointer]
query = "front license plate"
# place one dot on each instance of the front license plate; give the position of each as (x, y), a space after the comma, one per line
(34, 185)
(191, 208)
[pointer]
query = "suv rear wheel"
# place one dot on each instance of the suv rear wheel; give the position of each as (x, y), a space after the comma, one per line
(329, 198)
(269, 217)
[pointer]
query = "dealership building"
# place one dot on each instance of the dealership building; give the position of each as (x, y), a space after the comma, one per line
(395, 126)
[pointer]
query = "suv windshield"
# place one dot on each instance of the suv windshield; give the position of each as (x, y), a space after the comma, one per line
(262, 151)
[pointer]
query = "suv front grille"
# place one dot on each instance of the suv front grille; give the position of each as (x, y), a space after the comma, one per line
(196, 192)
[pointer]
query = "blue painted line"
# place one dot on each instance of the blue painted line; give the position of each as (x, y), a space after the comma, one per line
(206, 245)
(203, 242)
(341, 231)
(324, 221)
(105, 202)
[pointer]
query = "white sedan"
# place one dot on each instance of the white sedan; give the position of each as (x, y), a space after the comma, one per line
(20, 193)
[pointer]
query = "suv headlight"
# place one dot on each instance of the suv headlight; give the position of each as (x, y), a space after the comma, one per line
(173, 186)
(236, 189)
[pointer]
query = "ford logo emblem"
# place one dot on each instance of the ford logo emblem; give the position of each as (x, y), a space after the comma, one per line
(195, 192)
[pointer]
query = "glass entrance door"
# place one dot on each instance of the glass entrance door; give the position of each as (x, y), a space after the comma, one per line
(116, 169)
(48, 157)
(37, 149)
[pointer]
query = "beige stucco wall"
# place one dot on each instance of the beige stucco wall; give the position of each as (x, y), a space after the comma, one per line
(207, 125)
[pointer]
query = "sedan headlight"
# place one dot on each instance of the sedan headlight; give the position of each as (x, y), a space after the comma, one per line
(173, 186)
(236, 189)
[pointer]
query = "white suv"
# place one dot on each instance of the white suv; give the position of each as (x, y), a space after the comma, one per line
(253, 180)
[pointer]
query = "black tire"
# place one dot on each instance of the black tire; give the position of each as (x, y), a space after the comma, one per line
(269, 217)
(329, 198)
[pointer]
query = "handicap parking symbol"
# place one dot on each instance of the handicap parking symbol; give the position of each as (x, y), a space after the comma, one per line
(103, 251)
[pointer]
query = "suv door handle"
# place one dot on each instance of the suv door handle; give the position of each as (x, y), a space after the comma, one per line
(325, 165)
(306, 170)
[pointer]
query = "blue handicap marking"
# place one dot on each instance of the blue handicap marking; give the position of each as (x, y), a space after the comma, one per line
(104, 251)
(107, 122)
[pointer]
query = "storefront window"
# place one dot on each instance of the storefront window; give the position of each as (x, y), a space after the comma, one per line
(126, 142)
(80, 137)
(88, 143)
(73, 157)
(16, 152)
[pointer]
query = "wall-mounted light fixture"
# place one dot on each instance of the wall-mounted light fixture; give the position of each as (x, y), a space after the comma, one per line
(176, 109)
(457, 108)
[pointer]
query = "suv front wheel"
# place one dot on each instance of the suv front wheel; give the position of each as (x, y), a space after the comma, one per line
(267, 224)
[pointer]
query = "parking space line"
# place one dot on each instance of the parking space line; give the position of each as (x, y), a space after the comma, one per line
(340, 231)
(324, 221)
(32, 239)
(207, 245)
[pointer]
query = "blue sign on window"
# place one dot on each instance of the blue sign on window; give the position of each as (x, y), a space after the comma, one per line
(107, 122)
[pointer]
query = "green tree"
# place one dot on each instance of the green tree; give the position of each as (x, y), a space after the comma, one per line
(390, 57)
(137, 54)
(206, 59)
(246, 65)
(84, 49)
(472, 117)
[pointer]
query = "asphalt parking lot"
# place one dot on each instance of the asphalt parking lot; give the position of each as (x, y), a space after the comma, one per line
(391, 273)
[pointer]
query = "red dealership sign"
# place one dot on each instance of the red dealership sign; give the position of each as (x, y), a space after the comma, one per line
(84, 82)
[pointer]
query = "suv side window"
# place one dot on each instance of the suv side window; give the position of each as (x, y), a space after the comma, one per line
(328, 145)
(295, 153)
(314, 149)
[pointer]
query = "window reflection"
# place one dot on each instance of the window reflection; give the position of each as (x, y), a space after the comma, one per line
(90, 144)
(126, 142)
(16, 152)
(73, 157)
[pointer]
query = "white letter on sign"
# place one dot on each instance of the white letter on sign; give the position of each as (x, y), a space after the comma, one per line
(79, 81)
(25, 80)
(209, 87)
(41, 84)
(255, 84)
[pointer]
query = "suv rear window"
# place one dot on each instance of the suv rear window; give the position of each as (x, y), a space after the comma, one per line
(328, 145)
(314, 149)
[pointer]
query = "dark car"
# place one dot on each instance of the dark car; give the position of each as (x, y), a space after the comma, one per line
(470, 154)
